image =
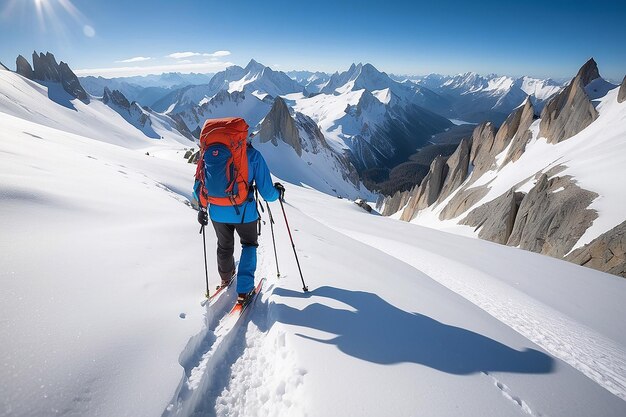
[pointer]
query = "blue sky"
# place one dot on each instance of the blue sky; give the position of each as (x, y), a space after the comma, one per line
(540, 38)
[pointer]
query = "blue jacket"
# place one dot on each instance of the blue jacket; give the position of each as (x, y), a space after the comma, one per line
(260, 174)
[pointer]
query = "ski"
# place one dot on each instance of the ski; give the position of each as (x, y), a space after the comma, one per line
(219, 290)
(238, 309)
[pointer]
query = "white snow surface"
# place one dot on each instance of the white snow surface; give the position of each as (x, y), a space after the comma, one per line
(102, 282)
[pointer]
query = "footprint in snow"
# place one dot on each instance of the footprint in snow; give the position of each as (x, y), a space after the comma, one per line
(182, 315)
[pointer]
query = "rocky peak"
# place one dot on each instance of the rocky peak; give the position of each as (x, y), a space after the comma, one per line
(482, 142)
(570, 111)
(23, 68)
(588, 72)
(621, 95)
(46, 68)
(278, 124)
(254, 67)
(115, 97)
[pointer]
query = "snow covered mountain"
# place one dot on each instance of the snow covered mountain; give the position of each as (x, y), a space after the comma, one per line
(476, 98)
(254, 79)
(50, 94)
(312, 81)
(543, 184)
(380, 122)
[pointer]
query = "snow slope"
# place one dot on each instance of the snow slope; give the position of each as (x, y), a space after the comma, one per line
(102, 280)
(52, 106)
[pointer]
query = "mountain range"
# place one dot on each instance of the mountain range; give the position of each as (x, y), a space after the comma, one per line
(542, 183)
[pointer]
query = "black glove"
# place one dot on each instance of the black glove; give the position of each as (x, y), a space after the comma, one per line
(203, 217)
(281, 190)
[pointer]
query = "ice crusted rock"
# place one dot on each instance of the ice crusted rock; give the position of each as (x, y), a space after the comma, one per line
(23, 68)
(495, 219)
(278, 124)
(605, 253)
(570, 111)
(621, 95)
(553, 216)
(45, 68)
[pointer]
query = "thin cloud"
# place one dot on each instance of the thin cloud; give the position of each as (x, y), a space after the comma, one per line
(218, 54)
(202, 67)
(135, 59)
(183, 55)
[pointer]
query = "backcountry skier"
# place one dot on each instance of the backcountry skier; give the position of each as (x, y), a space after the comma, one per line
(230, 172)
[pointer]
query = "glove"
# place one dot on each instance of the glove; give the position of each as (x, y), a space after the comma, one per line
(203, 217)
(281, 190)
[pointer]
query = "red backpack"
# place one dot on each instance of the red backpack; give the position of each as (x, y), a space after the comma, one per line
(222, 170)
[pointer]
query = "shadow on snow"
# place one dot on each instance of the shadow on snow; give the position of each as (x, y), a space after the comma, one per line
(380, 333)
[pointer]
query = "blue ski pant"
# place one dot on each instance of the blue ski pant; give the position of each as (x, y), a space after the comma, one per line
(248, 236)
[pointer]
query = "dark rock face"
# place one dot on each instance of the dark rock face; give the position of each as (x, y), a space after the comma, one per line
(23, 68)
(570, 111)
(552, 217)
(605, 253)
(278, 124)
(457, 166)
(115, 97)
(621, 95)
(45, 68)
(495, 219)
(363, 204)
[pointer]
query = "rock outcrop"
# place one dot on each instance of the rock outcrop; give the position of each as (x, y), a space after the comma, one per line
(481, 155)
(132, 112)
(23, 68)
(518, 131)
(552, 216)
(45, 68)
(495, 219)
(621, 95)
(428, 191)
(570, 111)
(393, 204)
(457, 167)
(605, 253)
(278, 124)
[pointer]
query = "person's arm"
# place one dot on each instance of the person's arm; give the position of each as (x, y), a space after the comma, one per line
(263, 178)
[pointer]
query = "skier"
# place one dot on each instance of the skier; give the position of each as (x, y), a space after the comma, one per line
(242, 217)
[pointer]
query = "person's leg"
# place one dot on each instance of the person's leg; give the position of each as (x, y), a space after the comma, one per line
(225, 247)
(247, 264)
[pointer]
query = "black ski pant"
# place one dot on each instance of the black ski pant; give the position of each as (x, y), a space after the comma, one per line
(248, 236)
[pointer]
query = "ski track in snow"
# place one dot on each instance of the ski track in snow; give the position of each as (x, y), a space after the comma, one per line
(596, 356)
(231, 369)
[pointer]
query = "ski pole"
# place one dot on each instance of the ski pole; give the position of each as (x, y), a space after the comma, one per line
(269, 212)
(304, 287)
(206, 268)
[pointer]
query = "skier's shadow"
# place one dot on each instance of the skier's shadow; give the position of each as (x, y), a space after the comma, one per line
(380, 333)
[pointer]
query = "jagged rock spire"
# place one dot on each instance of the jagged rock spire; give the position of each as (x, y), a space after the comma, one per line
(278, 124)
(23, 68)
(588, 72)
(570, 111)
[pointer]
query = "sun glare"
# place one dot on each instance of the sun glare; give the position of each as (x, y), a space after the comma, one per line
(53, 16)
